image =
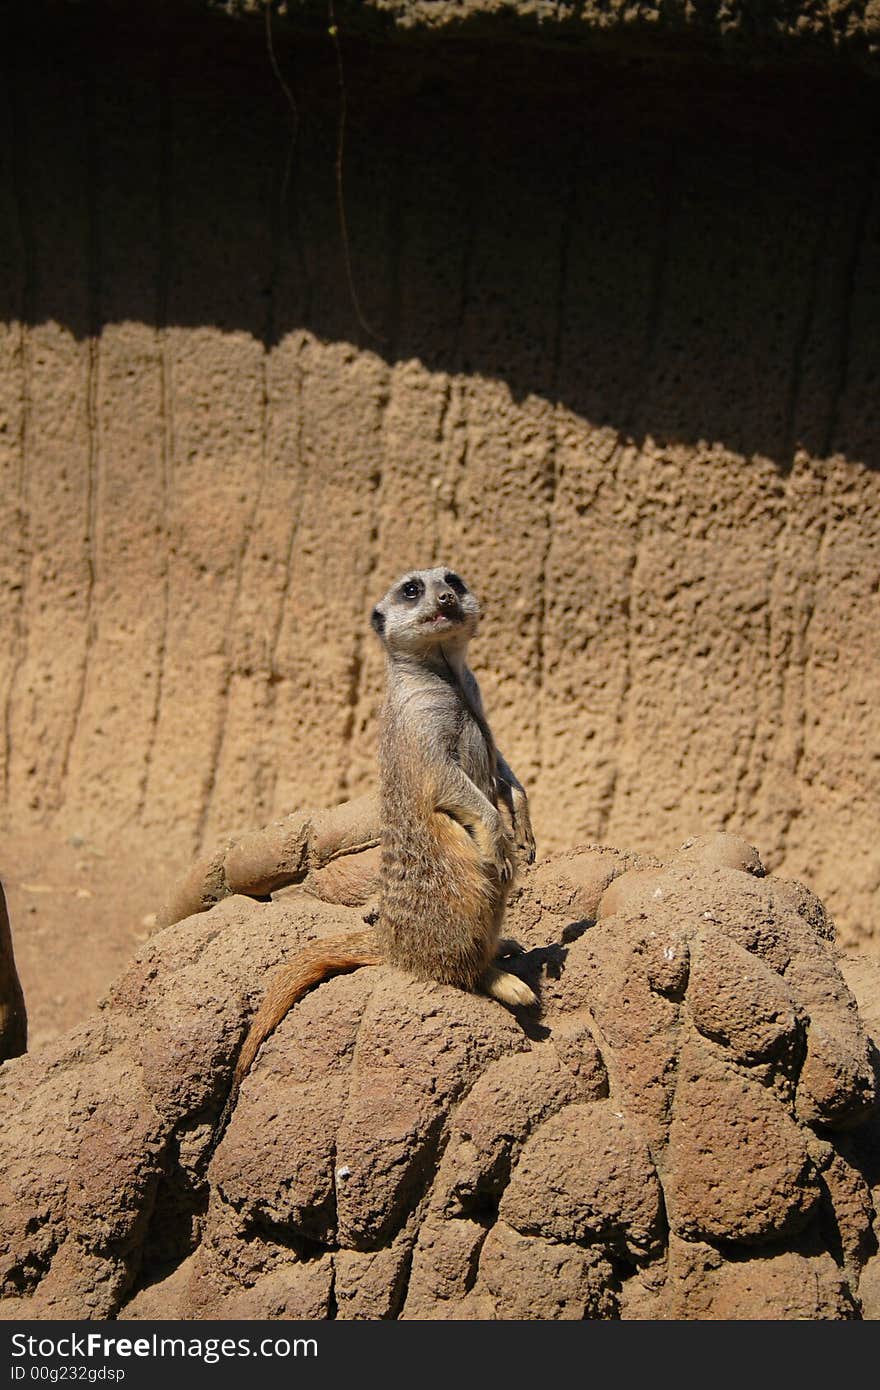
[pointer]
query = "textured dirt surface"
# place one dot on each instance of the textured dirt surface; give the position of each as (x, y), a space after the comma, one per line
(623, 377)
(687, 1130)
(78, 912)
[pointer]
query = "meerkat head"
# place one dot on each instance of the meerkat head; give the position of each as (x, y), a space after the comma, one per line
(426, 609)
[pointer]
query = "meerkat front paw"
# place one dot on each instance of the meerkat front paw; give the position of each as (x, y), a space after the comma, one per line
(500, 984)
(496, 845)
(525, 840)
(503, 859)
(523, 835)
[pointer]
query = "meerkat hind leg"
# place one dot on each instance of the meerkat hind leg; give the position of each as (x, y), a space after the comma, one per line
(500, 984)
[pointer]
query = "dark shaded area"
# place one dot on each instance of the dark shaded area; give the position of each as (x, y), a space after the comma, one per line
(13, 1013)
(683, 252)
(736, 32)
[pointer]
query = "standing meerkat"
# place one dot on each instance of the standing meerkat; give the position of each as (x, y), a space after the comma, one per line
(447, 861)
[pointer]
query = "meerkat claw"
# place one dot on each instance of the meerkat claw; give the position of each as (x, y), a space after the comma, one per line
(505, 863)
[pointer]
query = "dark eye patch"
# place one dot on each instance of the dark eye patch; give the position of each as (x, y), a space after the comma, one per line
(455, 583)
(411, 589)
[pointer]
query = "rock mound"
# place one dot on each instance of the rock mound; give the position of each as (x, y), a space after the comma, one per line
(685, 1131)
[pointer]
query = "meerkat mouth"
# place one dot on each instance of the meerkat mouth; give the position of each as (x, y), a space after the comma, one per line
(442, 619)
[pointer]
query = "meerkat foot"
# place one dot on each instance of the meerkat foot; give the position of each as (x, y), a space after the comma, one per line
(500, 984)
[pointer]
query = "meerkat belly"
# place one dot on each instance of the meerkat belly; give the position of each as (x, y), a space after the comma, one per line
(440, 903)
(441, 899)
(475, 758)
(439, 910)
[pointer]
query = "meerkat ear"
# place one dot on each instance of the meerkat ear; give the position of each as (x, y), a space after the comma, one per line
(377, 621)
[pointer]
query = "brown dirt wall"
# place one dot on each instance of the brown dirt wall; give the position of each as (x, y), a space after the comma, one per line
(621, 371)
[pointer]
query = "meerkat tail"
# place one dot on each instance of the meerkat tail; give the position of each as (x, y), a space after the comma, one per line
(500, 984)
(335, 955)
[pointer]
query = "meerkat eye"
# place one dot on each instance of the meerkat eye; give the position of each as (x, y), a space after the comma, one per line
(455, 583)
(412, 589)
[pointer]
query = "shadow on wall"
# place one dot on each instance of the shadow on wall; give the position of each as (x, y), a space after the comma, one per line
(692, 255)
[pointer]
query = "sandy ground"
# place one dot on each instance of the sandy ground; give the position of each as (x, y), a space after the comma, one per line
(77, 910)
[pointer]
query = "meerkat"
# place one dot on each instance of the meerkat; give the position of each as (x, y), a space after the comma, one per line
(447, 858)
